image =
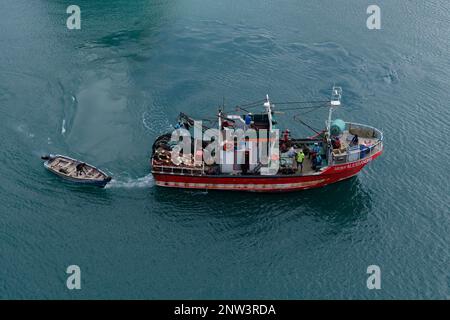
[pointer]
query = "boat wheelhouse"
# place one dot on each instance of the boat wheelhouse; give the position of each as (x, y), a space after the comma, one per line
(336, 153)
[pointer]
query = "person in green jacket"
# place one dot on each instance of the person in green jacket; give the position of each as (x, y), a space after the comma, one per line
(300, 157)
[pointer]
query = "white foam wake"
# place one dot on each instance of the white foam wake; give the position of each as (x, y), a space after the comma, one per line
(63, 127)
(142, 182)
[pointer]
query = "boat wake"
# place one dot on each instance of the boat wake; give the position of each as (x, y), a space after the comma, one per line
(63, 127)
(142, 182)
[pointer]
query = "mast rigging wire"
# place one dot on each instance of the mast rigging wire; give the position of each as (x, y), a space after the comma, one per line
(300, 102)
(305, 124)
(303, 108)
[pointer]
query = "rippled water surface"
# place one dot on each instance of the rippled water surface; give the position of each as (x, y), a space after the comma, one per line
(103, 93)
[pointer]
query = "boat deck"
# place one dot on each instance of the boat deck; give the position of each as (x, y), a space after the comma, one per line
(347, 138)
(347, 152)
(68, 168)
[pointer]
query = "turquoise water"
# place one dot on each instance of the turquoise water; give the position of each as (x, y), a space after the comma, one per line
(103, 93)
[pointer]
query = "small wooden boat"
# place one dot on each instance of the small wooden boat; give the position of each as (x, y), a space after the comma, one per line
(75, 170)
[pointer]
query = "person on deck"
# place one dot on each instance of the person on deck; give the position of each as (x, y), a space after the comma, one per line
(179, 125)
(291, 152)
(317, 162)
(315, 151)
(300, 157)
(336, 143)
(248, 120)
(80, 167)
(286, 135)
(355, 140)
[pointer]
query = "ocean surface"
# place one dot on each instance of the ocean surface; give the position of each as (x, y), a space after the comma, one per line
(104, 92)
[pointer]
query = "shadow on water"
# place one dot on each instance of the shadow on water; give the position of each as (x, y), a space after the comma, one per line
(120, 38)
(71, 192)
(341, 204)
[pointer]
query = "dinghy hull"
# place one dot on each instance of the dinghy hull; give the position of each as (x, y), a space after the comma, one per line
(94, 177)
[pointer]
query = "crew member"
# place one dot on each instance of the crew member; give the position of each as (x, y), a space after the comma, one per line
(336, 143)
(300, 157)
(317, 162)
(315, 151)
(80, 167)
(286, 135)
(291, 153)
(355, 140)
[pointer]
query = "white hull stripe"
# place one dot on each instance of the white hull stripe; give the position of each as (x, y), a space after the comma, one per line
(240, 186)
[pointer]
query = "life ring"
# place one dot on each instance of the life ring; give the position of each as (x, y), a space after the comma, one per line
(228, 146)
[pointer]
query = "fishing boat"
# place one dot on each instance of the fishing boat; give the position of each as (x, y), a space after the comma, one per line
(76, 171)
(335, 153)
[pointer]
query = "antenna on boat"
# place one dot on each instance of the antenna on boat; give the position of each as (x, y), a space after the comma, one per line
(267, 105)
(336, 96)
(335, 101)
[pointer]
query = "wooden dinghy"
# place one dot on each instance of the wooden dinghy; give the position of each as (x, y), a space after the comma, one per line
(75, 170)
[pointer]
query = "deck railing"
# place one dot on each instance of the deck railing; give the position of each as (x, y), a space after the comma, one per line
(363, 131)
(193, 171)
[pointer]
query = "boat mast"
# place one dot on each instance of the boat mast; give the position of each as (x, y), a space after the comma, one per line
(268, 108)
(335, 102)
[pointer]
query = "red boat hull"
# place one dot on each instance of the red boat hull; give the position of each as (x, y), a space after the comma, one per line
(259, 183)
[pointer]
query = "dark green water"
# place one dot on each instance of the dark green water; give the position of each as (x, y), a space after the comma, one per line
(103, 93)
